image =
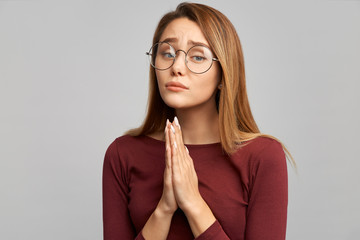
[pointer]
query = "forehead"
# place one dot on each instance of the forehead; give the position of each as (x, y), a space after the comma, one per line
(183, 31)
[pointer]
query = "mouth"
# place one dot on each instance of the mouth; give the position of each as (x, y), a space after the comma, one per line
(175, 86)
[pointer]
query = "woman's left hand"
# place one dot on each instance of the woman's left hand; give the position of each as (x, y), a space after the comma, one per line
(185, 180)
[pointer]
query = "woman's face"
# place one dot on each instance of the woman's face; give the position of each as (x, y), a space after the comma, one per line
(199, 89)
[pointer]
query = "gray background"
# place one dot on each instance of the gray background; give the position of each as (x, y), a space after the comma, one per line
(74, 76)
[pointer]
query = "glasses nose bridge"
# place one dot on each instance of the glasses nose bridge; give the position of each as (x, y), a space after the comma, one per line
(180, 50)
(176, 55)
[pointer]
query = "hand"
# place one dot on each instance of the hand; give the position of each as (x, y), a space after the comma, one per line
(167, 203)
(183, 190)
(184, 177)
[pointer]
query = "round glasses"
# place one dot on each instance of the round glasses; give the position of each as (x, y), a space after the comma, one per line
(198, 58)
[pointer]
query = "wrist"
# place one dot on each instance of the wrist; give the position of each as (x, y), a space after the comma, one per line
(162, 211)
(157, 226)
(195, 208)
(200, 217)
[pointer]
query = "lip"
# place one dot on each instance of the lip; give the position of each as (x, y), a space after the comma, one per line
(175, 86)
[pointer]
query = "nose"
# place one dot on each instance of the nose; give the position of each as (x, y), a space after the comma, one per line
(179, 66)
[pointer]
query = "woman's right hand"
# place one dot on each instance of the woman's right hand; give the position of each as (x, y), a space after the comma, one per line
(167, 203)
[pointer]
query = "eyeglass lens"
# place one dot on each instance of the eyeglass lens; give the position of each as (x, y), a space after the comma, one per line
(198, 59)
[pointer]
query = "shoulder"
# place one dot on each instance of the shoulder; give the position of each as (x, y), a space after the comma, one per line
(128, 146)
(263, 151)
(266, 146)
(260, 144)
(133, 152)
(270, 160)
(124, 143)
(265, 162)
(121, 151)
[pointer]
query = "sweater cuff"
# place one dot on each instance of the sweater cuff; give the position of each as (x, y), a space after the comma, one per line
(215, 231)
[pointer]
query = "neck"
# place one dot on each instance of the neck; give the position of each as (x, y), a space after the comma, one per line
(199, 125)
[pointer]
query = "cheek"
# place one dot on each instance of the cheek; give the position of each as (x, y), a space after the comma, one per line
(161, 79)
(203, 89)
(158, 76)
(209, 82)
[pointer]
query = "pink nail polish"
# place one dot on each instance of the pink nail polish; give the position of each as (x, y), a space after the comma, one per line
(177, 122)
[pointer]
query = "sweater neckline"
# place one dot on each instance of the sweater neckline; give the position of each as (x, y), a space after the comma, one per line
(150, 139)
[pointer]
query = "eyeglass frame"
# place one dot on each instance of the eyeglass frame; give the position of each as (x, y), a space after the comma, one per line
(186, 53)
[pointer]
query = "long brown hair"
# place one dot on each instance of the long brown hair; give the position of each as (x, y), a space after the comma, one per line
(237, 124)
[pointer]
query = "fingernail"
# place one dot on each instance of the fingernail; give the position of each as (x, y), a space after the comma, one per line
(177, 122)
(187, 149)
(172, 128)
(175, 145)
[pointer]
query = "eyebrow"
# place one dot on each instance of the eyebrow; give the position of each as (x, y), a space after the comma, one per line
(190, 42)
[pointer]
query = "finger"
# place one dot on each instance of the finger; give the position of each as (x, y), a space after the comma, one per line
(167, 145)
(181, 152)
(187, 150)
(167, 172)
(178, 131)
(179, 140)
(173, 143)
(174, 150)
(167, 152)
(184, 149)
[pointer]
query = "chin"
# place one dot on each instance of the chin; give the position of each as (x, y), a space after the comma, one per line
(182, 104)
(178, 102)
(176, 105)
(173, 101)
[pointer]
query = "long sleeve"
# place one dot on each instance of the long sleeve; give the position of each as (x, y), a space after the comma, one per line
(267, 209)
(116, 219)
(214, 232)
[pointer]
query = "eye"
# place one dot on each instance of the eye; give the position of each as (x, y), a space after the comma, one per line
(199, 55)
(198, 58)
(167, 55)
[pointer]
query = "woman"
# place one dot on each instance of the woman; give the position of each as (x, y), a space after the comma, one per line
(209, 173)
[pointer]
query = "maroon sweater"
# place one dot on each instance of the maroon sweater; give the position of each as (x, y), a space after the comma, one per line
(246, 192)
